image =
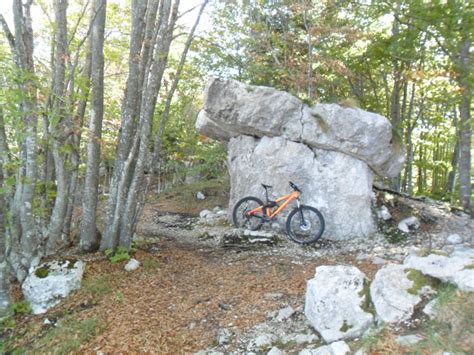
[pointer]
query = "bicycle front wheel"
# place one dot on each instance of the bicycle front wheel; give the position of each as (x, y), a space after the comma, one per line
(241, 216)
(305, 225)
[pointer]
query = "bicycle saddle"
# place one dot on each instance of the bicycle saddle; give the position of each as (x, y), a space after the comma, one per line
(266, 186)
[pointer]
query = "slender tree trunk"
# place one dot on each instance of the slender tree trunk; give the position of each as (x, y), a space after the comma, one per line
(4, 268)
(25, 247)
(154, 161)
(89, 240)
(59, 128)
(146, 116)
(125, 144)
(465, 124)
(451, 183)
(309, 41)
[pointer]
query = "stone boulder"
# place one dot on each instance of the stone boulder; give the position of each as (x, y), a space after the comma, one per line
(232, 109)
(391, 294)
(334, 299)
(48, 283)
(339, 185)
(456, 268)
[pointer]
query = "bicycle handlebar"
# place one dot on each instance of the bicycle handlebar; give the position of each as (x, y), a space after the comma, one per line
(294, 187)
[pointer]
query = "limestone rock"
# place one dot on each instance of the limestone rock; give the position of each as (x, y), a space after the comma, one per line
(132, 265)
(454, 239)
(232, 109)
(336, 348)
(384, 213)
(389, 292)
(464, 280)
(338, 185)
(285, 313)
(407, 340)
(265, 340)
(275, 351)
(333, 302)
(200, 196)
(431, 309)
(47, 283)
(408, 224)
(224, 336)
(441, 267)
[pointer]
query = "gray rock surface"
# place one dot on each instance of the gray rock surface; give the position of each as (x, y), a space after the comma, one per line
(265, 340)
(285, 313)
(430, 309)
(464, 280)
(454, 239)
(336, 348)
(338, 185)
(445, 268)
(384, 213)
(393, 303)
(333, 303)
(275, 351)
(232, 109)
(47, 283)
(407, 340)
(132, 265)
(408, 224)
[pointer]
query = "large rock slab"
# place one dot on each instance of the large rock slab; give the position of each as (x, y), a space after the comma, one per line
(390, 294)
(339, 185)
(455, 268)
(333, 303)
(232, 109)
(49, 282)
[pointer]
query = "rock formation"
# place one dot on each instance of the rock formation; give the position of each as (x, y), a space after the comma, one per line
(331, 152)
(49, 282)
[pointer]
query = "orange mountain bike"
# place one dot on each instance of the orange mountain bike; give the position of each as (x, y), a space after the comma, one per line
(304, 224)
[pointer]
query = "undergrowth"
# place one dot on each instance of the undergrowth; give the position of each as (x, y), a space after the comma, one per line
(453, 326)
(67, 336)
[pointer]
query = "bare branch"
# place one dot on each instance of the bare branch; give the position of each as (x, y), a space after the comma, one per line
(8, 33)
(188, 11)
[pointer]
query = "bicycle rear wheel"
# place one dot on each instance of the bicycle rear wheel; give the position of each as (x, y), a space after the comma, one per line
(305, 225)
(241, 217)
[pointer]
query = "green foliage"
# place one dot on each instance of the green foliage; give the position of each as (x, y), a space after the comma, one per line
(366, 305)
(151, 264)
(22, 307)
(68, 335)
(452, 329)
(98, 286)
(120, 254)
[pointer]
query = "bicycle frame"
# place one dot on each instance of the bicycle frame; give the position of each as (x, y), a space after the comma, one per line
(268, 209)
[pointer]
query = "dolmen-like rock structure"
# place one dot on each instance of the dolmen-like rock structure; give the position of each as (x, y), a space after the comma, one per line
(331, 152)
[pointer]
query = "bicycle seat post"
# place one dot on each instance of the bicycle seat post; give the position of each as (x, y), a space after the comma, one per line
(266, 187)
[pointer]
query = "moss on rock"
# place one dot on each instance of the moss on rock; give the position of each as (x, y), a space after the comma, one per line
(420, 280)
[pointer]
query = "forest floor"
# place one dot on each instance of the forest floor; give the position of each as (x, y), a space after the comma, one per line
(187, 290)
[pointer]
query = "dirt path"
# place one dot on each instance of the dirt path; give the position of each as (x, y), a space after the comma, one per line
(182, 296)
(180, 302)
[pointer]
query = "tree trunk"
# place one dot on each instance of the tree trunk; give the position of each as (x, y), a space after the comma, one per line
(25, 234)
(465, 124)
(125, 144)
(4, 268)
(89, 240)
(147, 110)
(59, 128)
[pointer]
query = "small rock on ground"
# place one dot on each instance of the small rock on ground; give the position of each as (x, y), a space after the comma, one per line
(285, 313)
(407, 340)
(132, 265)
